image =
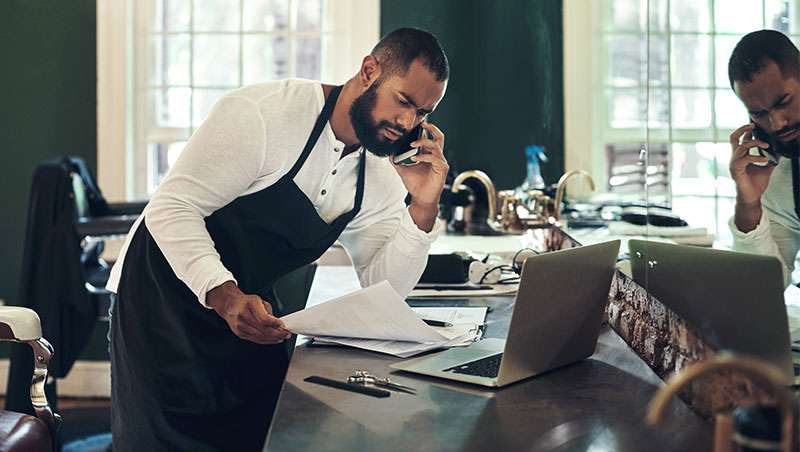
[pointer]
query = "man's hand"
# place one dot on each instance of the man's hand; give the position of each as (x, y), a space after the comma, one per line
(750, 177)
(425, 180)
(248, 316)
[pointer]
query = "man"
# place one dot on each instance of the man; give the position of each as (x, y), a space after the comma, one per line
(271, 179)
(764, 72)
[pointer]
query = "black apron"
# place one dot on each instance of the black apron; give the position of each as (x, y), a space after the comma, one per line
(181, 380)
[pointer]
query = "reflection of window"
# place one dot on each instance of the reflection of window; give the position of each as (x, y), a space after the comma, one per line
(188, 53)
(676, 68)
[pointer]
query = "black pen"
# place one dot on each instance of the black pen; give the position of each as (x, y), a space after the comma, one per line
(374, 392)
(437, 323)
(453, 288)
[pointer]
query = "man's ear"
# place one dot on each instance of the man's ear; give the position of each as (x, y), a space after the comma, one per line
(369, 72)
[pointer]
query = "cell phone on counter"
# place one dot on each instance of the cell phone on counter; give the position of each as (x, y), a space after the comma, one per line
(404, 158)
(771, 152)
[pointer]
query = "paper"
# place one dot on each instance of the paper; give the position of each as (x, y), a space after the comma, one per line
(376, 312)
(471, 315)
(400, 349)
(791, 297)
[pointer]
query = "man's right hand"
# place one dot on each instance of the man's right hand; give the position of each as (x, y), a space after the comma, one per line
(750, 177)
(248, 316)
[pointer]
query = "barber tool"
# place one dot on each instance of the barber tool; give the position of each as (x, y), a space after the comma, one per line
(364, 377)
(349, 386)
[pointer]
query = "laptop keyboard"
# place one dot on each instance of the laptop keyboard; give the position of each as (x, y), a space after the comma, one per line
(485, 367)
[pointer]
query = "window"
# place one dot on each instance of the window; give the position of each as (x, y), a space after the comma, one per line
(667, 61)
(183, 55)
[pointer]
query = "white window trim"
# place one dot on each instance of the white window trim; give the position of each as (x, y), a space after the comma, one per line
(115, 78)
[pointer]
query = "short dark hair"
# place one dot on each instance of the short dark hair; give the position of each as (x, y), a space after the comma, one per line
(755, 50)
(397, 50)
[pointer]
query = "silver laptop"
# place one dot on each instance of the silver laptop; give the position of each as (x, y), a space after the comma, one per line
(735, 300)
(555, 321)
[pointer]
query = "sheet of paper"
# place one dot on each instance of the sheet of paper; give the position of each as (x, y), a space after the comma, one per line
(375, 312)
(471, 315)
(400, 349)
(791, 297)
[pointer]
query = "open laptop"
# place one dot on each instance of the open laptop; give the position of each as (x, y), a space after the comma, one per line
(734, 300)
(555, 321)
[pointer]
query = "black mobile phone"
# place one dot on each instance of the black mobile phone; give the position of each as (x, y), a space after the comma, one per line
(404, 142)
(770, 152)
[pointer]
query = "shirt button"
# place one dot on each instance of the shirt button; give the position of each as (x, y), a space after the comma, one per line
(333, 172)
(323, 192)
(336, 149)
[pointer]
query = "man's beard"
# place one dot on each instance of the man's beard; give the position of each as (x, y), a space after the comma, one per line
(789, 149)
(367, 131)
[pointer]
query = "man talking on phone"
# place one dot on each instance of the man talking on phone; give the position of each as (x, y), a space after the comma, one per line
(764, 72)
(276, 174)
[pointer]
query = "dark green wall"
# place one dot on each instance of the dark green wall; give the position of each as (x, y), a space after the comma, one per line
(47, 108)
(506, 84)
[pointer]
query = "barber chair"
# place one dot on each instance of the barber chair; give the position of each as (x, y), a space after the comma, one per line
(18, 431)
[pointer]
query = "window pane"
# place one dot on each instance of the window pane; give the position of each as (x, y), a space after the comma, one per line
(693, 169)
(266, 15)
(626, 14)
(691, 108)
(725, 209)
(216, 60)
(171, 15)
(170, 60)
(778, 17)
(626, 60)
(626, 108)
(690, 15)
(307, 58)
(204, 100)
(691, 60)
(658, 15)
(699, 212)
(725, 184)
(738, 16)
(658, 61)
(265, 58)
(724, 48)
(308, 16)
(171, 107)
(658, 110)
(731, 114)
(216, 15)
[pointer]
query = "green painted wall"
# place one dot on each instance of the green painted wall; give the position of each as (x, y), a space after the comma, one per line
(506, 83)
(47, 108)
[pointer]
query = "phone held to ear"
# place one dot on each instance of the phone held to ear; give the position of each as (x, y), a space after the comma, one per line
(404, 158)
(770, 152)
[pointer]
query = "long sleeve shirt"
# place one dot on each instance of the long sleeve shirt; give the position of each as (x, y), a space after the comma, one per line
(251, 138)
(778, 230)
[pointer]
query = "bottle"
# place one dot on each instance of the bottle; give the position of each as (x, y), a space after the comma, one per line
(534, 154)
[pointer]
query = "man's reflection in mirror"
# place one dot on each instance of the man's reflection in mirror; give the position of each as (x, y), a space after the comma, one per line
(764, 72)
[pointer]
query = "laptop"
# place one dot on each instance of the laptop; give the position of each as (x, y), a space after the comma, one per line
(555, 321)
(734, 300)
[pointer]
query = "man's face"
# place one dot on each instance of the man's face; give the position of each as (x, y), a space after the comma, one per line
(392, 106)
(773, 102)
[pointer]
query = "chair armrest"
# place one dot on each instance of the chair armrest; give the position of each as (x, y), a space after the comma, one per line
(127, 208)
(105, 226)
(19, 324)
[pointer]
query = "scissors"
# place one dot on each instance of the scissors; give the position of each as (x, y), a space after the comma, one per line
(366, 378)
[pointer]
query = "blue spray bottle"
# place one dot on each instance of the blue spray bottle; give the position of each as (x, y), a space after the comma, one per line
(534, 154)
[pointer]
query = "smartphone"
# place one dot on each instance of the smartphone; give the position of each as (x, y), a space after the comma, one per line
(404, 158)
(771, 152)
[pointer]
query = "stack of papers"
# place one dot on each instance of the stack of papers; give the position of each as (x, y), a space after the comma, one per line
(376, 318)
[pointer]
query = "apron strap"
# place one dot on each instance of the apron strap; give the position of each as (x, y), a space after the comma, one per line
(796, 185)
(319, 126)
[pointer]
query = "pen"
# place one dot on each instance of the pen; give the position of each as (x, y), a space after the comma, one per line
(437, 323)
(453, 287)
(374, 392)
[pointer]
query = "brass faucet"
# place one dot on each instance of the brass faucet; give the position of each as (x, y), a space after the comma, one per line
(491, 193)
(562, 185)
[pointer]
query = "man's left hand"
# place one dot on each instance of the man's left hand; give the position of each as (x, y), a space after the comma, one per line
(425, 180)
